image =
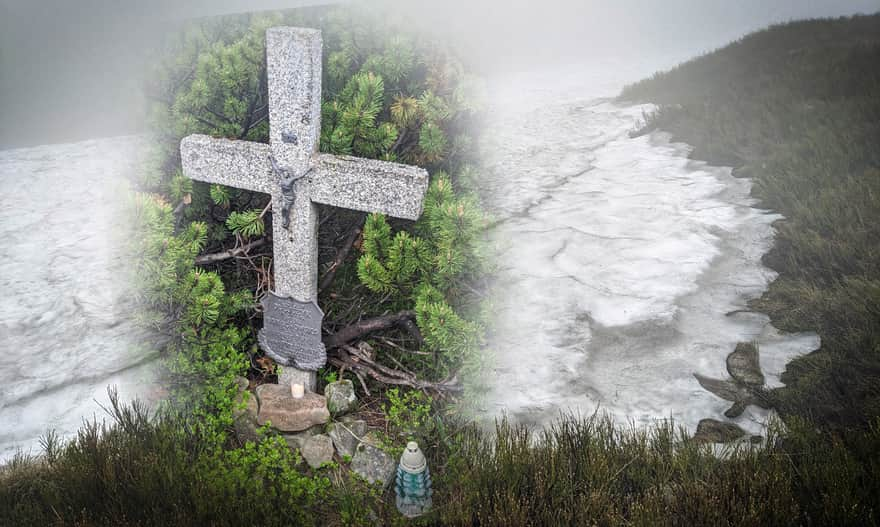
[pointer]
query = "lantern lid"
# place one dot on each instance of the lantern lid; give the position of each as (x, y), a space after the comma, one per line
(412, 460)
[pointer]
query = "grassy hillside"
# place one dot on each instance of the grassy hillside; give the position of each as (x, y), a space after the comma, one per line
(797, 108)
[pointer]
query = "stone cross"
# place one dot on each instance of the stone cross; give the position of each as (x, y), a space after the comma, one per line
(297, 176)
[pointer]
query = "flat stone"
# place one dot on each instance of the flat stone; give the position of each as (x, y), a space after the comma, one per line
(727, 390)
(341, 398)
(317, 450)
(744, 366)
(346, 436)
(374, 465)
(287, 414)
(713, 431)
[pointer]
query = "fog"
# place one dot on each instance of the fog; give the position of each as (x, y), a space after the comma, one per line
(72, 70)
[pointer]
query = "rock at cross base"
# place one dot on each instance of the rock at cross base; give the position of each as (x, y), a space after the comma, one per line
(296, 440)
(341, 398)
(282, 411)
(346, 435)
(298, 177)
(245, 419)
(317, 450)
(373, 465)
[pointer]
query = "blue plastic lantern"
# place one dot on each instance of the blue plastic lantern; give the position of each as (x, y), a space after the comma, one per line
(413, 486)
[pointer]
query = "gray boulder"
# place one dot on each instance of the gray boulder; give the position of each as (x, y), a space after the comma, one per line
(713, 431)
(296, 440)
(317, 450)
(747, 384)
(744, 366)
(341, 398)
(347, 435)
(373, 465)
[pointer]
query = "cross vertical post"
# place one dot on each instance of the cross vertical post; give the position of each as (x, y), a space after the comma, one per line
(293, 66)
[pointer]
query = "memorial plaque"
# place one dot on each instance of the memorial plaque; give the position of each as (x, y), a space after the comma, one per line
(291, 332)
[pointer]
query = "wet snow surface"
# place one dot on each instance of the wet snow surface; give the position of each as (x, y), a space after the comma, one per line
(620, 260)
(66, 330)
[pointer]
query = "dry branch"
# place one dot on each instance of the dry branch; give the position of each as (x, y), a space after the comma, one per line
(360, 363)
(231, 253)
(362, 327)
(340, 257)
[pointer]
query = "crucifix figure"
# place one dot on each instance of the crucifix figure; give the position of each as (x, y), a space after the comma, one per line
(297, 176)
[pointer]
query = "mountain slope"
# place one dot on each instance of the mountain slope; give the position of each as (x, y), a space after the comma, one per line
(796, 107)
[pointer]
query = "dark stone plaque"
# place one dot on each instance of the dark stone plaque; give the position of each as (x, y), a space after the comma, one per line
(291, 332)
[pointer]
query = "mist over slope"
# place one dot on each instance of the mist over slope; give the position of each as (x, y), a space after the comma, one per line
(71, 70)
(797, 108)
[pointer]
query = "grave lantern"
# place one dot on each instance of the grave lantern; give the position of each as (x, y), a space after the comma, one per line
(413, 486)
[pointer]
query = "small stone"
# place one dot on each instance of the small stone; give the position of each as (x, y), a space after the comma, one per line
(346, 436)
(713, 431)
(282, 411)
(736, 410)
(373, 465)
(245, 419)
(317, 450)
(296, 440)
(341, 398)
(242, 383)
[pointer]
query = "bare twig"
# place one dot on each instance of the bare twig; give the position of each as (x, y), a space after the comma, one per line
(266, 209)
(360, 377)
(328, 277)
(389, 342)
(359, 363)
(231, 253)
(178, 210)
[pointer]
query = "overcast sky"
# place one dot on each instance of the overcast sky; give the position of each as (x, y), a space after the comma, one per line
(70, 69)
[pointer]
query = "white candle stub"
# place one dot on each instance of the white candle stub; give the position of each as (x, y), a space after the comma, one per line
(297, 390)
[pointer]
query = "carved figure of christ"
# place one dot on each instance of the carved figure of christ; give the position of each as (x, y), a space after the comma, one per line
(293, 57)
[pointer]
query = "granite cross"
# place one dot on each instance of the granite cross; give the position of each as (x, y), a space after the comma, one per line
(297, 177)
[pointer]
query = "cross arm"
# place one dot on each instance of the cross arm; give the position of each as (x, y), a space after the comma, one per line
(239, 164)
(369, 185)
